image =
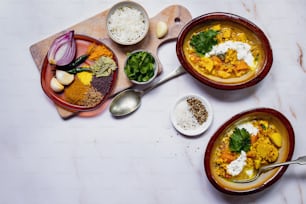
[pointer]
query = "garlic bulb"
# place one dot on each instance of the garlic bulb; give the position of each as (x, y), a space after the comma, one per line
(64, 77)
(161, 29)
(55, 85)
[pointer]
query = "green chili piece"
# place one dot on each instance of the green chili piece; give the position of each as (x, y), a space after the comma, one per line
(79, 69)
(78, 61)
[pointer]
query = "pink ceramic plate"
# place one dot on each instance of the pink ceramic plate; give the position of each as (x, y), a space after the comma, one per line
(48, 71)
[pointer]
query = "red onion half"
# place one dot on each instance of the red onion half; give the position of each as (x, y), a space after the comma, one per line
(63, 49)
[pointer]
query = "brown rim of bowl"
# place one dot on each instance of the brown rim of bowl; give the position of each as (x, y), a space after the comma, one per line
(236, 19)
(61, 102)
(216, 135)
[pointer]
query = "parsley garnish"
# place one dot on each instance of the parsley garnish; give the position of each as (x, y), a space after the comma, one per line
(240, 140)
(204, 41)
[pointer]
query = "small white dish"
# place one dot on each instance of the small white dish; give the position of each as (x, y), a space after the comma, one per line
(183, 119)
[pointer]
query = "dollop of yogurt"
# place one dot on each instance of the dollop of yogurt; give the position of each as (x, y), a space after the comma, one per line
(249, 127)
(235, 167)
(243, 51)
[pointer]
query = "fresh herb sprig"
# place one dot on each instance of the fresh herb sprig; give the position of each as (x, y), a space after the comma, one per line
(240, 140)
(203, 41)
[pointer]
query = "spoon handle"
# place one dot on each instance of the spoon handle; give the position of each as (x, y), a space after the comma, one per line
(177, 72)
(300, 160)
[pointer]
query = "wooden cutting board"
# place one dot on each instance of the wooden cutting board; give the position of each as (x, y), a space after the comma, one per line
(176, 16)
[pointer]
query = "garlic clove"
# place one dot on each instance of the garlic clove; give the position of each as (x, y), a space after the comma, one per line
(55, 85)
(64, 77)
(161, 29)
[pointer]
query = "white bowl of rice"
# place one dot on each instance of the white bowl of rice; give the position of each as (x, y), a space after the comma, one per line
(127, 23)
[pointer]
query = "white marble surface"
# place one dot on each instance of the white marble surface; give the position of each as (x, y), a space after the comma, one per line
(139, 159)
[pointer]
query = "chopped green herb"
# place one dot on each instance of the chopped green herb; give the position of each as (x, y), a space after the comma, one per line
(204, 41)
(140, 66)
(240, 140)
(263, 126)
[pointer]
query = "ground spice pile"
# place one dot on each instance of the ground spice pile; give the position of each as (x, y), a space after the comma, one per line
(91, 85)
(83, 95)
(190, 113)
(102, 85)
(96, 51)
(197, 109)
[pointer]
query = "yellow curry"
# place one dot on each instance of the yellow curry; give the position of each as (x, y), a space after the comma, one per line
(262, 141)
(236, 52)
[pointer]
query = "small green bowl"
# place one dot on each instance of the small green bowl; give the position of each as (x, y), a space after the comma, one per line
(127, 67)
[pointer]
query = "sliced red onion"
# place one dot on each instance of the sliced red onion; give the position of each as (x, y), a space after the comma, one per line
(63, 49)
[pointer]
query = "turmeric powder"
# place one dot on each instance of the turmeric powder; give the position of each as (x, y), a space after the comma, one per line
(96, 51)
(85, 77)
(76, 92)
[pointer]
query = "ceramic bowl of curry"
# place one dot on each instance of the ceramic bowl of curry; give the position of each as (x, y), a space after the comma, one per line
(224, 51)
(243, 144)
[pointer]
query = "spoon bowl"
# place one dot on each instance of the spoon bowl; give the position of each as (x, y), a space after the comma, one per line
(126, 102)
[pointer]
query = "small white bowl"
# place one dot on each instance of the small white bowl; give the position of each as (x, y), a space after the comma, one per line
(182, 120)
(115, 33)
(155, 67)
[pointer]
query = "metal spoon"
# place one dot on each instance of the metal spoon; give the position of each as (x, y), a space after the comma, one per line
(129, 100)
(300, 160)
